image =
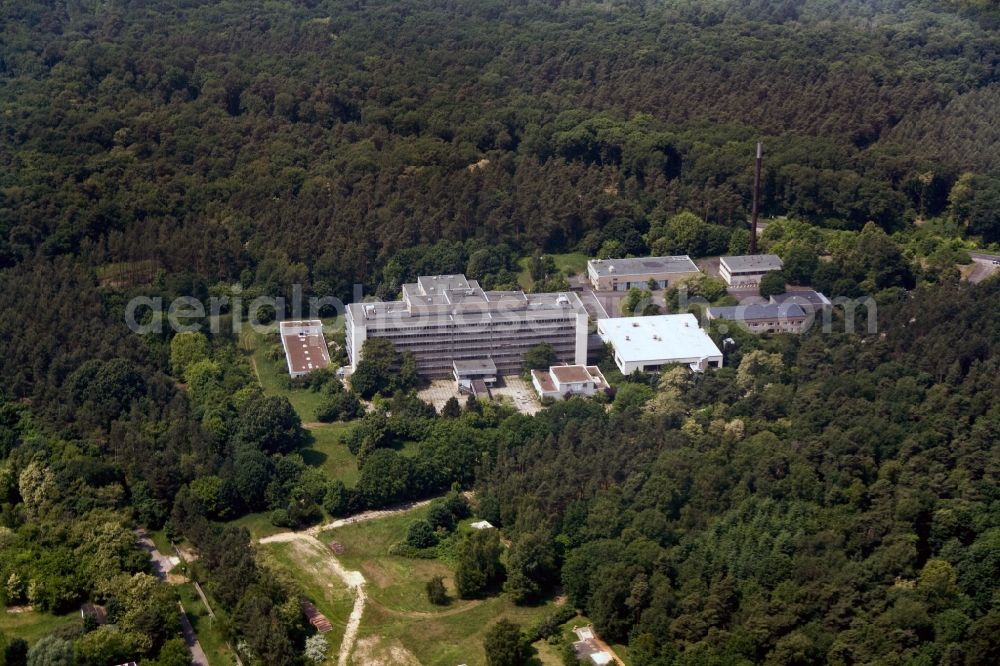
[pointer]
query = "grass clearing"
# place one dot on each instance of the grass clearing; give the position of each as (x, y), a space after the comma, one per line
(273, 375)
(273, 372)
(395, 583)
(398, 616)
(569, 262)
(328, 453)
(259, 524)
(162, 543)
(32, 625)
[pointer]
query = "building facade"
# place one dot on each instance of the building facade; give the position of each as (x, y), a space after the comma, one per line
(625, 274)
(765, 317)
(746, 271)
(443, 319)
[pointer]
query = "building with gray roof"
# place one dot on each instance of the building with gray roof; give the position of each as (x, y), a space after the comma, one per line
(811, 301)
(764, 317)
(746, 271)
(624, 274)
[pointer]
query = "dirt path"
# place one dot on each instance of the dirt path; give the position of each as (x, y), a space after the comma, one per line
(308, 544)
(428, 615)
(161, 564)
(256, 372)
(365, 517)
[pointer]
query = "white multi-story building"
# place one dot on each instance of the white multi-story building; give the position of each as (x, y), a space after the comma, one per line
(446, 318)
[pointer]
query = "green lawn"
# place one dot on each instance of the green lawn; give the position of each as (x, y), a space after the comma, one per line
(211, 640)
(394, 582)
(259, 524)
(161, 542)
(273, 374)
(574, 262)
(329, 454)
(398, 614)
(31, 625)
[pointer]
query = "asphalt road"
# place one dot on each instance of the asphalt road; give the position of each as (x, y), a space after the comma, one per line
(198, 656)
(161, 565)
(985, 265)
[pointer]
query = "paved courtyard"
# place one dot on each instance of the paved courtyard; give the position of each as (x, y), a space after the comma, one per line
(519, 393)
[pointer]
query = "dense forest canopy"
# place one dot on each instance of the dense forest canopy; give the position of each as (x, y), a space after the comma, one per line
(824, 499)
(234, 131)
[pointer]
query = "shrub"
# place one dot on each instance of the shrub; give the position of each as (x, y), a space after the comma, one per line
(440, 517)
(421, 535)
(279, 518)
(436, 592)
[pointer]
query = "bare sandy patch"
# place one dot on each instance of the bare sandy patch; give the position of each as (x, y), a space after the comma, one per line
(376, 651)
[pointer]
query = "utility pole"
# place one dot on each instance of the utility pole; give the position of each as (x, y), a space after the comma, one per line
(756, 198)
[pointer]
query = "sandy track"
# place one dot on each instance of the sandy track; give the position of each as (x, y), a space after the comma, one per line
(365, 517)
(309, 545)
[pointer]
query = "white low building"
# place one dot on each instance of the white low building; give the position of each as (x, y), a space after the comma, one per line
(649, 343)
(625, 274)
(562, 381)
(746, 271)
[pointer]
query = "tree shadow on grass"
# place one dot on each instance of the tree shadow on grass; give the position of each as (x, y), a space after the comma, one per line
(313, 458)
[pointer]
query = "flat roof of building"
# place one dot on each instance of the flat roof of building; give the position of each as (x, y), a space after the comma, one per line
(758, 312)
(803, 297)
(643, 265)
(544, 379)
(749, 262)
(476, 366)
(447, 298)
(657, 338)
(571, 374)
(305, 346)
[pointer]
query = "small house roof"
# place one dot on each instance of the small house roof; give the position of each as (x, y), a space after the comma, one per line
(475, 366)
